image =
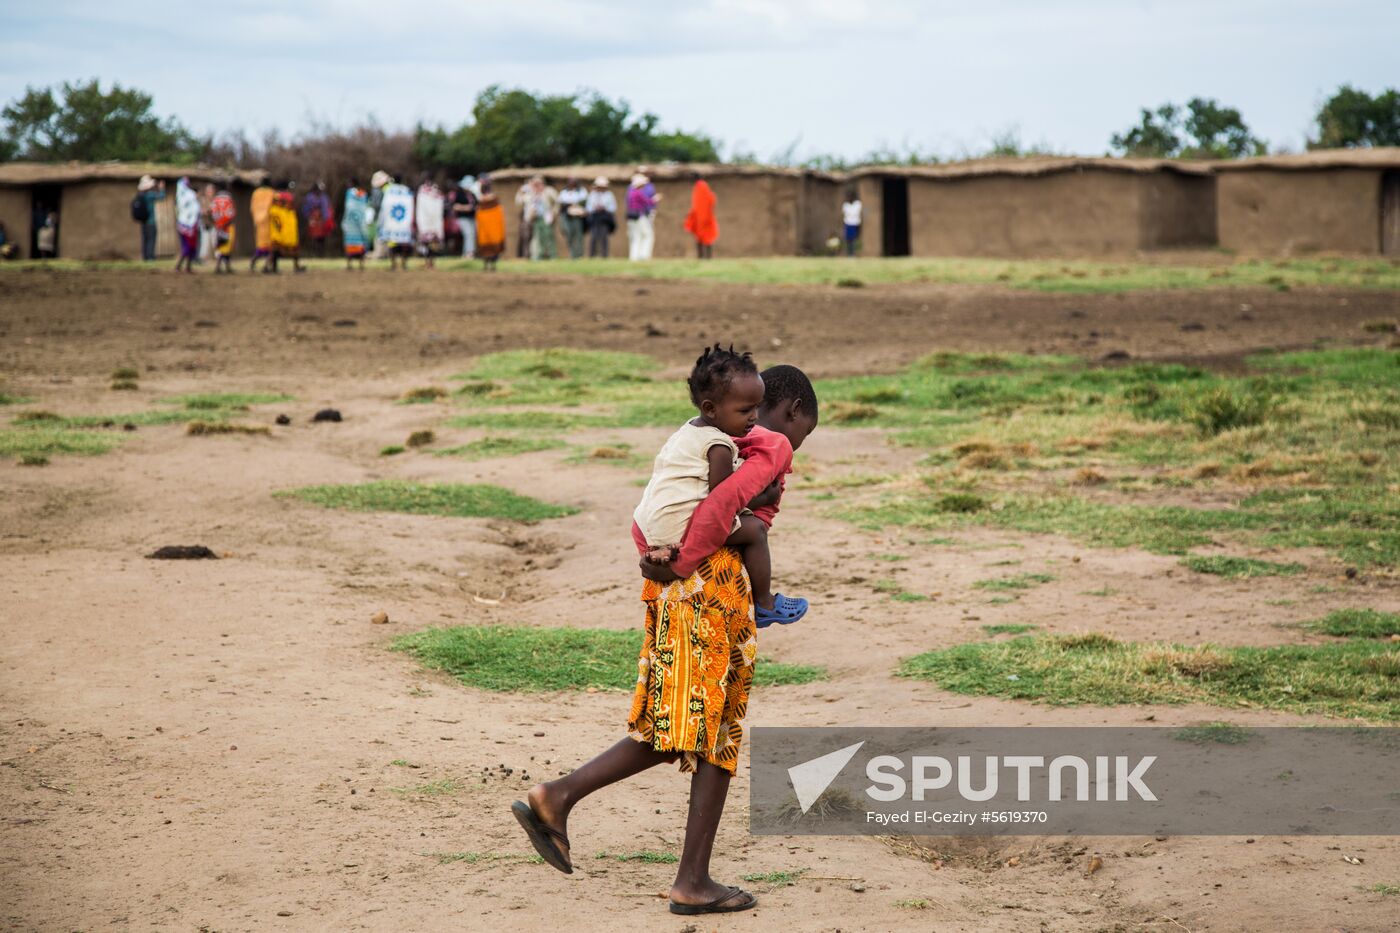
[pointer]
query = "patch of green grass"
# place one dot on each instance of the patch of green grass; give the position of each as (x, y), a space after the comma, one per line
(550, 422)
(453, 499)
(33, 460)
(1389, 890)
(778, 879)
(402, 763)
(1355, 679)
(443, 788)
(890, 558)
(1238, 567)
(392, 450)
(518, 658)
(124, 385)
(1213, 733)
(1101, 591)
(646, 855)
(233, 401)
(1356, 623)
(126, 372)
(8, 399)
(49, 442)
(140, 418)
(904, 596)
(1053, 275)
(1019, 581)
(499, 446)
(1008, 628)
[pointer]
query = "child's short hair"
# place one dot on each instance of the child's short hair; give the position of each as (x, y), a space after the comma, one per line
(714, 370)
(782, 383)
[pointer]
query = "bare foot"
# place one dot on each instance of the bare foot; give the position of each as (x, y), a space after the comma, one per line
(551, 814)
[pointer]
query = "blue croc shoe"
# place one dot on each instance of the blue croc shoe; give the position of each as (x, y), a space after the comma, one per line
(786, 610)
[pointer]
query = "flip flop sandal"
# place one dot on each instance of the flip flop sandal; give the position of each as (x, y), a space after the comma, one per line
(715, 906)
(543, 837)
(786, 610)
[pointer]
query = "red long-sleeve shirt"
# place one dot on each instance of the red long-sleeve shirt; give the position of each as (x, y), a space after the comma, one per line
(767, 457)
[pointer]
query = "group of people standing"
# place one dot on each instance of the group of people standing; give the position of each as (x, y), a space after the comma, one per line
(388, 219)
(589, 213)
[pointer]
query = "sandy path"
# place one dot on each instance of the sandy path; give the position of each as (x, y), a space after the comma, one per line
(209, 745)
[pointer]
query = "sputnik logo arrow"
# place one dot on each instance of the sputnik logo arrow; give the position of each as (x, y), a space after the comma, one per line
(811, 778)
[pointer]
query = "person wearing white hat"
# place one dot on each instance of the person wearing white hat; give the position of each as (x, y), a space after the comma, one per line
(641, 206)
(143, 211)
(602, 217)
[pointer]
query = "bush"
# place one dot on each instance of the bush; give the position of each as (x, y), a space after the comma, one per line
(1221, 409)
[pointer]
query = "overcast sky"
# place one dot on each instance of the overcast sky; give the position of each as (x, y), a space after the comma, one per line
(834, 76)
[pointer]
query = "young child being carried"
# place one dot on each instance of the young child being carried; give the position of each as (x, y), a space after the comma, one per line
(726, 388)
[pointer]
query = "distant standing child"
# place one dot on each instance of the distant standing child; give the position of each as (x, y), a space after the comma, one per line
(696, 664)
(222, 212)
(354, 224)
(850, 221)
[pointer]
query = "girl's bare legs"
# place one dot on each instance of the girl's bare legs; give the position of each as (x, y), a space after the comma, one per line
(553, 800)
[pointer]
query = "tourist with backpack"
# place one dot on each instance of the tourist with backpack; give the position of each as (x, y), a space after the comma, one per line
(143, 211)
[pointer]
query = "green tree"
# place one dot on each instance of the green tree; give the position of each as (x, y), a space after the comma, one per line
(1351, 118)
(1203, 129)
(1156, 136)
(516, 127)
(1218, 132)
(82, 122)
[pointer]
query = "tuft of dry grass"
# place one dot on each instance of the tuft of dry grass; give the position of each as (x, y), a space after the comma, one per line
(423, 394)
(420, 439)
(847, 412)
(1188, 662)
(610, 453)
(198, 428)
(124, 385)
(984, 460)
(1089, 476)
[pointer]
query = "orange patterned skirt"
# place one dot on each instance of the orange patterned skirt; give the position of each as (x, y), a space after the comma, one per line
(696, 664)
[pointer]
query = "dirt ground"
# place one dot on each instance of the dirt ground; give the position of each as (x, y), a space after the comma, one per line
(210, 745)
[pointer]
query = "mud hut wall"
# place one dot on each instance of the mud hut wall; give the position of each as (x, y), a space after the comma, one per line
(16, 212)
(1176, 211)
(1287, 213)
(872, 215)
(1060, 214)
(758, 216)
(820, 214)
(95, 221)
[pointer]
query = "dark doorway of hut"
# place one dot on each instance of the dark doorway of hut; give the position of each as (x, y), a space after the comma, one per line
(43, 230)
(1390, 213)
(894, 222)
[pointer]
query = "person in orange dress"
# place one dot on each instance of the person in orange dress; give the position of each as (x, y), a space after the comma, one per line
(701, 220)
(490, 226)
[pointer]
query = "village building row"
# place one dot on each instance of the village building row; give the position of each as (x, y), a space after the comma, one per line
(1332, 201)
